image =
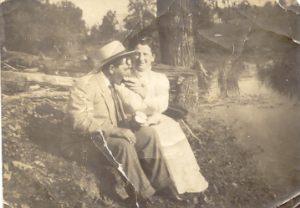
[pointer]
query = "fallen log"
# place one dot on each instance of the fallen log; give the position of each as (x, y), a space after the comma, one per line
(69, 66)
(184, 93)
(19, 59)
(173, 72)
(17, 54)
(18, 82)
(9, 66)
(37, 77)
(20, 78)
(40, 94)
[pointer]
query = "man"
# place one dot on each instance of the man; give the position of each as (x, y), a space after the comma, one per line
(95, 122)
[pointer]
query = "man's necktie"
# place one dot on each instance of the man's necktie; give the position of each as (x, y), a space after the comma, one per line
(121, 116)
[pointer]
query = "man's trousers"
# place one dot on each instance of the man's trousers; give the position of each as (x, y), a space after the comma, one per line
(142, 164)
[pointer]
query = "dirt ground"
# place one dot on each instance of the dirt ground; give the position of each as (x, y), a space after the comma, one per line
(36, 175)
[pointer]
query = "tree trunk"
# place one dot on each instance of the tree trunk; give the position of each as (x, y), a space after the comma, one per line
(175, 32)
(188, 95)
(228, 77)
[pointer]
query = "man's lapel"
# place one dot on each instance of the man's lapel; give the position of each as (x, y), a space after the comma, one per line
(107, 98)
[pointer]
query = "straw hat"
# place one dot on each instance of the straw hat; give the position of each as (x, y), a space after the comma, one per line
(108, 53)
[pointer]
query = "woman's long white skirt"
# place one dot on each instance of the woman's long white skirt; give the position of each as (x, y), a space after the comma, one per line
(179, 156)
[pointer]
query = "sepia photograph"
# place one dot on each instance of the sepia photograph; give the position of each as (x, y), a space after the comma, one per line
(150, 103)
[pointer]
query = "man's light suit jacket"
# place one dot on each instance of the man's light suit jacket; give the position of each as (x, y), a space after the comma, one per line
(90, 109)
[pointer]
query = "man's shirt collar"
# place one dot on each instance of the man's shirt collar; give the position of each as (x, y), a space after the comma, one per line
(106, 81)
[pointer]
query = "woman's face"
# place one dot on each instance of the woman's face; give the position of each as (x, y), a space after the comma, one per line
(143, 57)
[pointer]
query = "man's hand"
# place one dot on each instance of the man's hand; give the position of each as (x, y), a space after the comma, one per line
(137, 87)
(124, 133)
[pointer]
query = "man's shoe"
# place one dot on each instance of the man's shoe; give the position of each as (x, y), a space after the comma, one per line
(143, 202)
(146, 202)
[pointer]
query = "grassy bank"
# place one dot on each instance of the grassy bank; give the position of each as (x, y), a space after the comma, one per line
(39, 177)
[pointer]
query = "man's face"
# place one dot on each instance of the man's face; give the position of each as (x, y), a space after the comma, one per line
(143, 57)
(121, 71)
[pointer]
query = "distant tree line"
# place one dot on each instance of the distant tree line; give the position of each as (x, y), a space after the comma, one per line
(106, 31)
(34, 26)
(58, 30)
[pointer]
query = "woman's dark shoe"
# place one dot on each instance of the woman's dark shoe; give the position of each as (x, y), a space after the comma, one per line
(172, 194)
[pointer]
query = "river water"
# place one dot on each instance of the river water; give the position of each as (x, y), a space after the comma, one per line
(267, 122)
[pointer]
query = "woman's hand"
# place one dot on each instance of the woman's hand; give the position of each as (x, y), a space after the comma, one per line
(152, 120)
(137, 87)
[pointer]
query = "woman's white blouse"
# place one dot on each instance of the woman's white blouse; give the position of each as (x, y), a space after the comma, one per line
(157, 98)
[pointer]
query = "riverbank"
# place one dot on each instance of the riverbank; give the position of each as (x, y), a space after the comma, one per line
(245, 148)
(265, 123)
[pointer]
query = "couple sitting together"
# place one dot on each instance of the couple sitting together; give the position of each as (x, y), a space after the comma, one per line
(154, 156)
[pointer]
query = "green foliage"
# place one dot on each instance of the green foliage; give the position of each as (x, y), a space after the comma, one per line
(200, 14)
(108, 27)
(95, 36)
(233, 12)
(105, 32)
(139, 13)
(284, 75)
(35, 27)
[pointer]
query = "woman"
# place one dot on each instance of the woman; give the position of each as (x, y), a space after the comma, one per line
(148, 91)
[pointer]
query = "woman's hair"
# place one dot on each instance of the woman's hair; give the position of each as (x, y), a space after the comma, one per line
(143, 40)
